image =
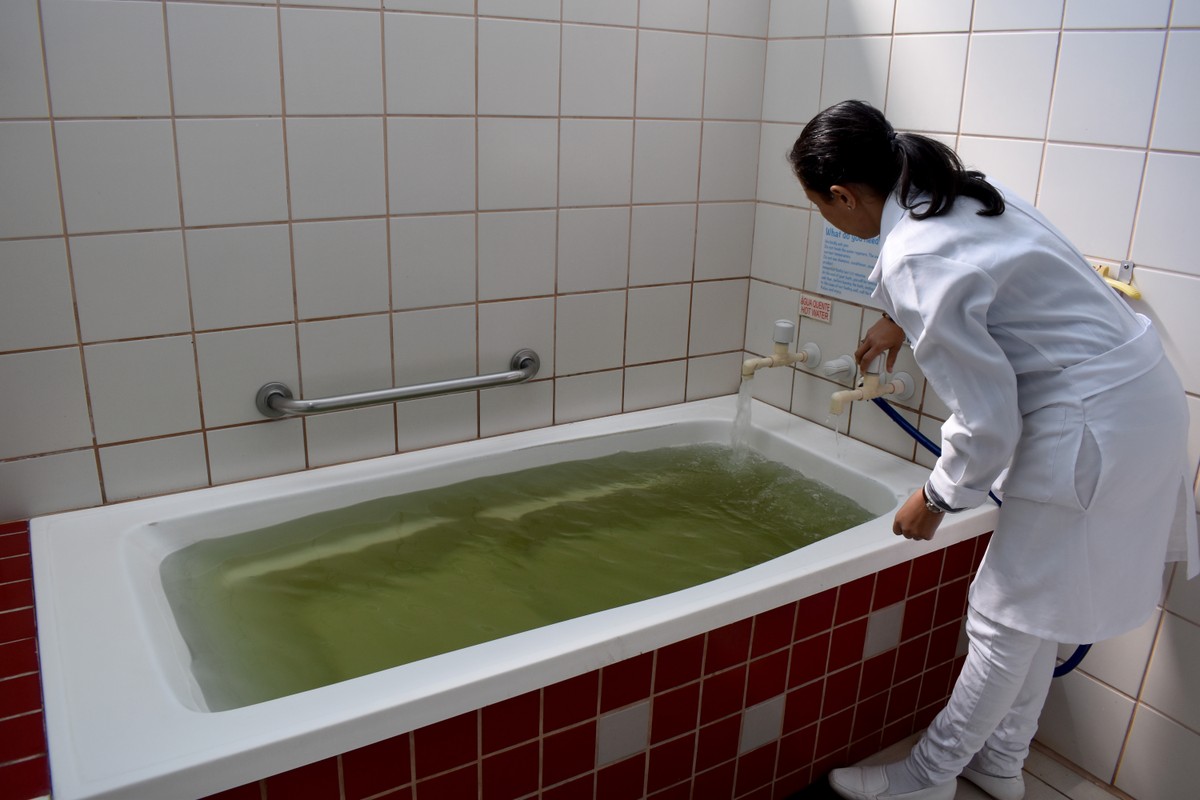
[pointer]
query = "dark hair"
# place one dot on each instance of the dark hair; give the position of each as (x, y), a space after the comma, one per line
(852, 142)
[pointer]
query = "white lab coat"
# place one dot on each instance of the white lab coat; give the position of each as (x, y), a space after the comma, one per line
(1048, 373)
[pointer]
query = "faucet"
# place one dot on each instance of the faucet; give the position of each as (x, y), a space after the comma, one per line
(785, 334)
(900, 387)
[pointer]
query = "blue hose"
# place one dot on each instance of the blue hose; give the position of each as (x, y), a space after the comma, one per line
(923, 440)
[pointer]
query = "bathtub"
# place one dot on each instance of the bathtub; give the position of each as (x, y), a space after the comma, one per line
(125, 718)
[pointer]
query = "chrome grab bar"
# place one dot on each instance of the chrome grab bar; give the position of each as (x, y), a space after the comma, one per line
(276, 399)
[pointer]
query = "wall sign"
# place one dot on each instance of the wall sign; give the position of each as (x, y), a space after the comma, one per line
(846, 263)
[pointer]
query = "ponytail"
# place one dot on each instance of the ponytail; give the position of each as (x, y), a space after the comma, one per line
(852, 142)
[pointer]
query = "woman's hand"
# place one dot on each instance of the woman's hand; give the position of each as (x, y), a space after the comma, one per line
(883, 336)
(914, 520)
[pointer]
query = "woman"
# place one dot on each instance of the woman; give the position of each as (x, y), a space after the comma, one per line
(1048, 374)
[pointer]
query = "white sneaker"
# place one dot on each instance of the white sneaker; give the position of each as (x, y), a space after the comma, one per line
(871, 783)
(997, 787)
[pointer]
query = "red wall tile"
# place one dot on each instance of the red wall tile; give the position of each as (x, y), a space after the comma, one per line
(679, 663)
(377, 767)
(626, 682)
(671, 762)
(512, 721)
(809, 660)
(445, 745)
(513, 773)
(773, 630)
(755, 769)
(674, 713)
(461, 784)
(568, 753)
(722, 694)
(767, 678)
(727, 647)
(570, 701)
(317, 781)
(718, 743)
(624, 780)
(854, 599)
(815, 614)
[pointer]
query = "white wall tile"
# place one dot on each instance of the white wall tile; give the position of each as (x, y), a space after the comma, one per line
(437, 420)
(516, 408)
(352, 354)
(433, 261)
(231, 171)
(441, 6)
(718, 316)
(589, 332)
(1155, 741)
(44, 404)
(739, 17)
(1170, 300)
(130, 159)
(733, 78)
(244, 79)
(597, 394)
(526, 9)
(856, 68)
(143, 469)
(860, 17)
(341, 267)
(332, 62)
(44, 485)
(776, 181)
(1088, 88)
(1009, 77)
(596, 162)
(836, 338)
(430, 63)
(1011, 15)
(1015, 163)
(780, 240)
(883, 630)
(792, 90)
(762, 724)
(127, 406)
(772, 386)
(508, 326)
(130, 284)
(516, 254)
(666, 156)
(662, 244)
(437, 344)
(1158, 240)
(729, 160)
(430, 165)
(1106, 14)
(1184, 596)
(518, 68)
(252, 451)
(657, 324)
(593, 249)
(106, 59)
(1185, 13)
(1170, 680)
(713, 376)
(670, 74)
(240, 276)
(767, 303)
(335, 167)
(926, 82)
(612, 12)
(724, 240)
(683, 15)
(1121, 661)
(350, 435)
(363, 4)
(1177, 119)
(518, 161)
(1085, 721)
(1091, 194)
(923, 16)
(598, 71)
(22, 79)
(655, 385)
(797, 17)
(36, 307)
(234, 364)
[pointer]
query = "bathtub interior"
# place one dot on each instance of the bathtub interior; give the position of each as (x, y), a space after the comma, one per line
(163, 730)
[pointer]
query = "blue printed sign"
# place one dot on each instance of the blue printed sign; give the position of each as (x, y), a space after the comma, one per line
(846, 265)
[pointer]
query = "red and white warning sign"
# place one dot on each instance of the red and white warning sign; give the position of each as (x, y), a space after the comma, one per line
(816, 308)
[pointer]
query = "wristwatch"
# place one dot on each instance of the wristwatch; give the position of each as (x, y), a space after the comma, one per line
(930, 506)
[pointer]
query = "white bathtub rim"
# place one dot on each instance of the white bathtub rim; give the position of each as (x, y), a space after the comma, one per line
(344, 716)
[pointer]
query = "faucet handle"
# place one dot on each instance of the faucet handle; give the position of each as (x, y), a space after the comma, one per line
(838, 366)
(785, 331)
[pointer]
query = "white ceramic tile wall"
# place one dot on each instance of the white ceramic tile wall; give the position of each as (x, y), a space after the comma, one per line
(611, 190)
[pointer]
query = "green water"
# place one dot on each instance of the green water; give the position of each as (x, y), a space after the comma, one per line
(348, 592)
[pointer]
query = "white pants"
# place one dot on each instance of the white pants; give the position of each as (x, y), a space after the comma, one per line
(994, 708)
